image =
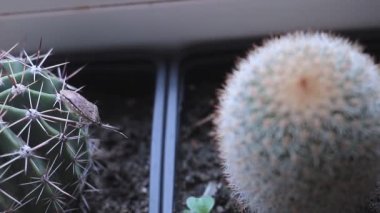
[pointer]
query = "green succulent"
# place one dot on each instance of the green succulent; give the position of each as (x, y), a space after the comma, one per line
(203, 204)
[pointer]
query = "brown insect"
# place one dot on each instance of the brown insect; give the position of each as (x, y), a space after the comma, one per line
(85, 109)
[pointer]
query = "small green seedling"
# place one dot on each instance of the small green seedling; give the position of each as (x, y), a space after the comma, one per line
(203, 204)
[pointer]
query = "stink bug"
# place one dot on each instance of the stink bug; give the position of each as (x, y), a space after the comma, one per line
(85, 109)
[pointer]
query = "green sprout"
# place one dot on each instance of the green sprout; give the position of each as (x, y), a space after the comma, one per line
(203, 204)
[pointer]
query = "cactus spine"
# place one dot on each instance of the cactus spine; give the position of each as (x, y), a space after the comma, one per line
(299, 125)
(44, 158)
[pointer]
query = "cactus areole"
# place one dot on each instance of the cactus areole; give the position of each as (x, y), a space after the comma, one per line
(44, 153)
(299, 125)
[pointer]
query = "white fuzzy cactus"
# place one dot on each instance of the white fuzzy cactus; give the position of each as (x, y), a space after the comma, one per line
(299, 125)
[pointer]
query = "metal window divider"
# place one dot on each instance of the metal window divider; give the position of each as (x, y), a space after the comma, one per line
(174, 94)
(168, 92)
(158, 137)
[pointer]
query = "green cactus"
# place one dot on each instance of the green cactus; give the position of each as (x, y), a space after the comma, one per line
(44, 149)
(299, 125)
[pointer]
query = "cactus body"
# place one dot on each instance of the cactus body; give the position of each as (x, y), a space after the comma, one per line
(44, 155)
(299, 125)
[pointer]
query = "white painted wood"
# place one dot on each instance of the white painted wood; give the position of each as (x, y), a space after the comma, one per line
(174, 25)
(35, 6)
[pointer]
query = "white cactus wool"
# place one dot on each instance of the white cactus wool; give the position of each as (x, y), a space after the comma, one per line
(299, 125)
